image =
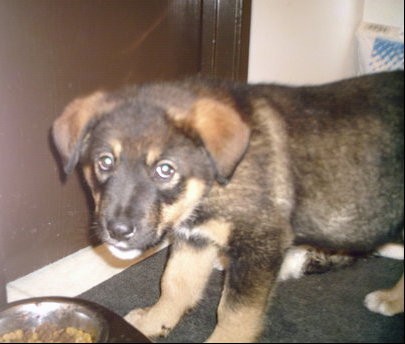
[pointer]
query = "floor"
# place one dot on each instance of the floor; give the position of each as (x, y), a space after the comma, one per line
(79, 272)
(322, 308)
(316, 308)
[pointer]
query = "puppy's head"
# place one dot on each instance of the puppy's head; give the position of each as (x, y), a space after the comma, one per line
(150, 155)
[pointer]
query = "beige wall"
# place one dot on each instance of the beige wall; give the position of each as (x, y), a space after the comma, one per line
(311, 41)
(386, 12)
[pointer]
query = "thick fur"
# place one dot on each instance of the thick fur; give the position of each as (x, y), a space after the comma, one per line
(240, 172)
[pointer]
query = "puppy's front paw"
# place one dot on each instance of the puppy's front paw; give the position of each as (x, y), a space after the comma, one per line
(384, 302)
(150, 322)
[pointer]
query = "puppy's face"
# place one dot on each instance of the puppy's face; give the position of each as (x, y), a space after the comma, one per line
(148, 164)
(146, 178)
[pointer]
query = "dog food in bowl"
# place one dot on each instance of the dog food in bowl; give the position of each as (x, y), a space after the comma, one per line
(51, 320)
(47, 333)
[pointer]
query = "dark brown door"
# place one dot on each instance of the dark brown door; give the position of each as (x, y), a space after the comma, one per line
(53, 51)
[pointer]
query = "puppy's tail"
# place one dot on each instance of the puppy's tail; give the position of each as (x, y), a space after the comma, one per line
(304, 260)
(319, 261)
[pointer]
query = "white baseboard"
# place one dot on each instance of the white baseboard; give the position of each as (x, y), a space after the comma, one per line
(73, 274)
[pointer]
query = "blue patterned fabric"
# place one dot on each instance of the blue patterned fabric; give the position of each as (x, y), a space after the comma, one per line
(386, 55)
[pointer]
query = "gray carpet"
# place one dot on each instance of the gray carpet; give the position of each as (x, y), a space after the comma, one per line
(317, 308)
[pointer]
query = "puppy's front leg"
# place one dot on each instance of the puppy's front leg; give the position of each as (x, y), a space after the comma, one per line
(241, 323)
(244, 302)
(182, 285)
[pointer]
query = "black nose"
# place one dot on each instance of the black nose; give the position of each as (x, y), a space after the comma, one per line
(121, 230)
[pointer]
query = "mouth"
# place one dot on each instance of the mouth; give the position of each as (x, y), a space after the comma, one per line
(122, 252)
(131, 249)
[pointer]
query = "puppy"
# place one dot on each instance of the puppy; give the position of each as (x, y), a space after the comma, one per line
(240, 172)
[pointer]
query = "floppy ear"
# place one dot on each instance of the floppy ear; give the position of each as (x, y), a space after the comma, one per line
(70, 128)
(222, 130)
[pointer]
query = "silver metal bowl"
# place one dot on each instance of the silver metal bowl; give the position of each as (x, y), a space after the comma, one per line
(102, 324)
(62, 312)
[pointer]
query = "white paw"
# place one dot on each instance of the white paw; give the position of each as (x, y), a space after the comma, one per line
(393, 251)
(149, 322)
(383, 302)
(294, 263)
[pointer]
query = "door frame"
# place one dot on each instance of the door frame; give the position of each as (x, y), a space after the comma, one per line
(225, 38)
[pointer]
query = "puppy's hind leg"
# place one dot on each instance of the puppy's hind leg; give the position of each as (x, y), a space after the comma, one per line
(391, 250)
(388, 301)
(182, 286)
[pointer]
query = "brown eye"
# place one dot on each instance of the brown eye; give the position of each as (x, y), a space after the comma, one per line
(105, 162)
(165, 171)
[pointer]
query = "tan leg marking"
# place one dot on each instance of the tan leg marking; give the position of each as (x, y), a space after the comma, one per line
(182, 286)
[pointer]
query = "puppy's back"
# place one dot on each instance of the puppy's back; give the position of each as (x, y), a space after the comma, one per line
(346, 147)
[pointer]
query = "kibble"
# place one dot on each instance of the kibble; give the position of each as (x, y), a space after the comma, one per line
(47, 333)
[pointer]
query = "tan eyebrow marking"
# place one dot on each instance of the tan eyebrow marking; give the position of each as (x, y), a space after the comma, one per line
(116, 147)
(152, 156)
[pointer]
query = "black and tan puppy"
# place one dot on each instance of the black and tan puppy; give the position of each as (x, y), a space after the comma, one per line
(240, 172)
